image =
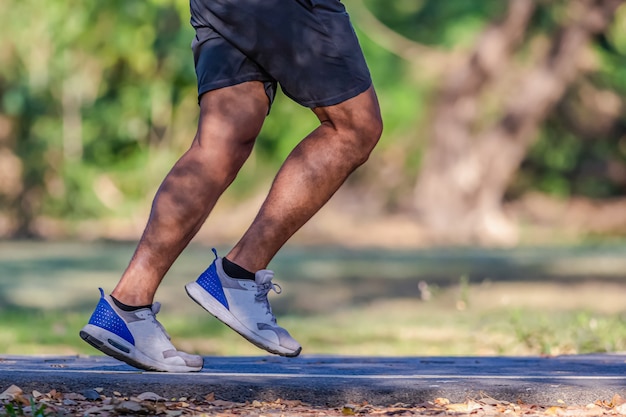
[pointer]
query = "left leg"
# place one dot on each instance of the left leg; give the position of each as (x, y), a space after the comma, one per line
(312, 173)
(320, 66)
(309, 177)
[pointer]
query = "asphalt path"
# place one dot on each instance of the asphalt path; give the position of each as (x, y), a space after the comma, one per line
(337, 380)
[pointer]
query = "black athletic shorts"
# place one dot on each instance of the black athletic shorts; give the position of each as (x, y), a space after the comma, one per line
(308, 47)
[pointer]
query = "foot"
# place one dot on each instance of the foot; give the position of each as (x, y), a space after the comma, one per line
(136, 337)
(242, 304)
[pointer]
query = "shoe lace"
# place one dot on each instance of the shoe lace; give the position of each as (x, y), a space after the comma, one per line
(156, 307)
(261, 296)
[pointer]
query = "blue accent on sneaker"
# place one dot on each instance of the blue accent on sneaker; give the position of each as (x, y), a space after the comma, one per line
(105, 317)
(210, 281)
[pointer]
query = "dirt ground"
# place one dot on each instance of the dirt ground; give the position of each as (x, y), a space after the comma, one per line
(14, 402)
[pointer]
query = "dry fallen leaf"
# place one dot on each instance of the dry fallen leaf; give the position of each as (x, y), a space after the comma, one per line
(74, 396)
(442, 401)
(348, 410)
(554, 411)
(592, 410)
(129, 407)
(11, 393)
(467, 407)
(55, 395)
(617, 400)
(390, 411)
(150, 396)
(98, 409)
(493, 401)
(290, 403)
(225, 404)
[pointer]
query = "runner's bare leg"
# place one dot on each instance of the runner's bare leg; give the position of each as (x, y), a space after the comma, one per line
(230, 120)
(311, 174)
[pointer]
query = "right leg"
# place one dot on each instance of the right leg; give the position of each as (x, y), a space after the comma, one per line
(230, 121)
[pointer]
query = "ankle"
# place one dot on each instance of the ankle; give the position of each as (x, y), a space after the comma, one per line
(233, 270)
(131, 298)
(126, 307)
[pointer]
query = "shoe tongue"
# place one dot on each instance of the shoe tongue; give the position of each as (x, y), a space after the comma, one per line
(156, 307)
(263, 276)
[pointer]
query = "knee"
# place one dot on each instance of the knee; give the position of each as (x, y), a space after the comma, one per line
(364, 135)
(222, 155)
(373, 129)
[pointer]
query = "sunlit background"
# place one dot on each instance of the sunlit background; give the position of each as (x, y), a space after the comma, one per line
(490, 219)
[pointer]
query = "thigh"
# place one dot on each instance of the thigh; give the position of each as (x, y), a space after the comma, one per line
(308, 46)
(233, 114)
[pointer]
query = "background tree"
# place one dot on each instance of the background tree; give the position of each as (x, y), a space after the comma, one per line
(521, 80)
(478, 143)
(491, 108)
(85, 90)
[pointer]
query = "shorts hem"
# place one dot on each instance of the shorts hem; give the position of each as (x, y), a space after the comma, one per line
(216, 85)
(331, 101)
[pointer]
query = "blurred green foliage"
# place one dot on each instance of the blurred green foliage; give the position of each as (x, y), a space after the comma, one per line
(97, 100)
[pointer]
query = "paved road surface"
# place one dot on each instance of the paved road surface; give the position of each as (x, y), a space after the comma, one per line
(332, 380)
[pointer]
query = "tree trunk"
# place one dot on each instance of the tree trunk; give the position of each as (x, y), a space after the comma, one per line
(467, 167)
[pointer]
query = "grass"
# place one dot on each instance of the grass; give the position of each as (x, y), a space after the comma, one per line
(383, 327)
(486, 324)
(341, 302)
(32, 409)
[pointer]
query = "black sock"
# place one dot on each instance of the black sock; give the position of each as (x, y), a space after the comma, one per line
(125, 307)
(235, 271)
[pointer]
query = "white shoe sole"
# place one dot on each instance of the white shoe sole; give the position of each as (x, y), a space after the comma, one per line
(217, 309)
(113, 345)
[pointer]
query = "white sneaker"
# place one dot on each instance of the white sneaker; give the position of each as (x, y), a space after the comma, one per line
(242, 305)
(136, 337)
